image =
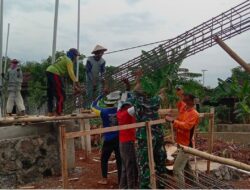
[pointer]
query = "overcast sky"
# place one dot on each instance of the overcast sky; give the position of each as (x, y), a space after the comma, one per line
(118, 24)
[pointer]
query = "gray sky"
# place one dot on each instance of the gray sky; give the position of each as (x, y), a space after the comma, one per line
(118, 24)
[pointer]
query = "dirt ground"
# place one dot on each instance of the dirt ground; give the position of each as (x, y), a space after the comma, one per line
(89, 172)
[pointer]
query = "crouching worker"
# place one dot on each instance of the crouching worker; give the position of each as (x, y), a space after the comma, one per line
(15, 79)
(129, 176)
(106, 107)
(55, 74)
(185, 124)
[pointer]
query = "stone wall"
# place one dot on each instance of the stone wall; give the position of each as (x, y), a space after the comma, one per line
(28, 158)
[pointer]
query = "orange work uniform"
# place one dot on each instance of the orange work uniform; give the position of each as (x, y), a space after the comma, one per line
(185, 124)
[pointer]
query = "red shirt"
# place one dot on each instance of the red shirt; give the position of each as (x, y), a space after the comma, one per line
(124, 118)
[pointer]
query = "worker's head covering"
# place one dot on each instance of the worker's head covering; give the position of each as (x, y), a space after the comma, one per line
(112, 97)
(99, 48)
(14, 61)
(73, 53)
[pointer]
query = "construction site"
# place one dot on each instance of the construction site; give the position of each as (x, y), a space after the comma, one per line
(42, 151)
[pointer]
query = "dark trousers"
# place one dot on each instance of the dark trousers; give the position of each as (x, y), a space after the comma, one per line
(55, 88)
(107, 149)
(129, 176)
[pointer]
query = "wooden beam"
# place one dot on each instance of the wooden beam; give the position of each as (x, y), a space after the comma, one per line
(230, 52)
(63, 153)
(104, 130)
(217, 159)
(151, 162)
(211, 137)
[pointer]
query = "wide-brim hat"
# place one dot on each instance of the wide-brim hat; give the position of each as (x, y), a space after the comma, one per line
(99, 48)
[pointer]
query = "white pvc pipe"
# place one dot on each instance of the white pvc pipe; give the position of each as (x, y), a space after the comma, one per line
(78, 39)
(1, 38)
(55, 32)
(6, 50)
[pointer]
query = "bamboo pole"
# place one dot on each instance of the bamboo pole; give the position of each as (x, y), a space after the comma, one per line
(217, 159)
(230, 52)
(12, 120)
(210, 138)
(78, 37)
(150, 156)
(63, 151)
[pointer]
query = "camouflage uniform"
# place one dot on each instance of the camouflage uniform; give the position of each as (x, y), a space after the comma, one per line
(146, 109)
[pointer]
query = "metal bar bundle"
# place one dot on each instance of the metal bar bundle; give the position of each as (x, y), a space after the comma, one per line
(226, 25)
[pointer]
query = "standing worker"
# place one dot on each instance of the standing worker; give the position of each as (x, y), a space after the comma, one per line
(15, 79)
(95, 68)
(55, 72)
(108, 113)
(185, 123)
(146, 109)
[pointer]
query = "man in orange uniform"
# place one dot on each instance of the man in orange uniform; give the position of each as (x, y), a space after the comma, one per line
(184, 124)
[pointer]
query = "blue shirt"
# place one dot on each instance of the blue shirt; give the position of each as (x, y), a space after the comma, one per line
(109, 118)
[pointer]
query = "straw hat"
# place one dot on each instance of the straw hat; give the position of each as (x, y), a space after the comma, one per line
(98, 48)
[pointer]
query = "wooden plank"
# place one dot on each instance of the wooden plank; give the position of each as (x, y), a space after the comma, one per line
(104, 130)
(217, 159)
(211, 137)
(117, 128)
(63, 151)
(151, 156)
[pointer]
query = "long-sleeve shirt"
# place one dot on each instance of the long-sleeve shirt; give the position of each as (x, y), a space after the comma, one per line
(62, 66)
(185, 124)
(95, 69)
(15, 79)
(108, 115)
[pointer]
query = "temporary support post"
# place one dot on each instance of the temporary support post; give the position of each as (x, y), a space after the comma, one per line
(55, 32)
(83, 141)
(150, 156)
(234, 55)
(88, 138)
(63, 151)
(210, 137)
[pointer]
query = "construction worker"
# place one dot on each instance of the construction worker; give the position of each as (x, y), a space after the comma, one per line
(55, 73)
(15, 79)
(126, 115)
(146, 109)
(185, 123)
(95, 68)
(106, 107)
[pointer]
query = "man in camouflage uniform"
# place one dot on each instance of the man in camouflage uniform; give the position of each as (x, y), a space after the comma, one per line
(146, 109)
